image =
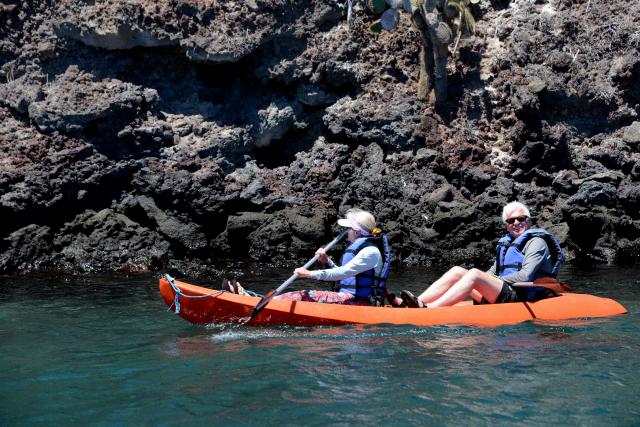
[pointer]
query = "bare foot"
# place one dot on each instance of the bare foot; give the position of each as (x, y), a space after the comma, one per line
(240, 290)
(228, 287)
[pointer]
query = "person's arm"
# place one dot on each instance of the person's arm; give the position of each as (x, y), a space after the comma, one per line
(535, 253)
(365, 260)
(325, 259)
(330, 263)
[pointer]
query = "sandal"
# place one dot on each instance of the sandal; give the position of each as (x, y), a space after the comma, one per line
(391, 300)
(411, 300)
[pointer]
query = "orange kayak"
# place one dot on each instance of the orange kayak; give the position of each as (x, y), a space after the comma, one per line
(212, 306)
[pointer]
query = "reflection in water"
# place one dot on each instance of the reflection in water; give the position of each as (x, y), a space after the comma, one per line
(555, 335)
(288, 396)
(111, 351)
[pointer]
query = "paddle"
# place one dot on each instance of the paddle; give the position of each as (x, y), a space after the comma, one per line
(268, 297)
(548, 283)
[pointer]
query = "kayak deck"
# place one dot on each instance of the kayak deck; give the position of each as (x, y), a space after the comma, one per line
(225, 307)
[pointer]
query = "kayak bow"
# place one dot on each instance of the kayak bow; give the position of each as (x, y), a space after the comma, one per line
(225, 307)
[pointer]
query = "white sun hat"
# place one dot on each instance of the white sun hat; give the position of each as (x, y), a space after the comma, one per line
(359, 220)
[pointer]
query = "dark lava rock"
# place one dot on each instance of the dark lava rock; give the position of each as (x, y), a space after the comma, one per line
(629, 195)
(391, 124)
(23, 91)
(176, 134)
(188, 235)
(75, 99)
(591, 194)
(108, 240)
(631, 134)
(560, 61)
(26, 248)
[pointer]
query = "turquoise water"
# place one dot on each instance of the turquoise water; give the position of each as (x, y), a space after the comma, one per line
(103, 350)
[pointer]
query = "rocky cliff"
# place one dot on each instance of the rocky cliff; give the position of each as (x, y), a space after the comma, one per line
(173, 133)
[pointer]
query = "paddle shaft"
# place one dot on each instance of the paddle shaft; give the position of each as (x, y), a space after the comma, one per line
(265, 299)
(552, 284)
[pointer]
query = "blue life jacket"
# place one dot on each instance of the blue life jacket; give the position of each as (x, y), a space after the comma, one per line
(510, 256)
(367, 284)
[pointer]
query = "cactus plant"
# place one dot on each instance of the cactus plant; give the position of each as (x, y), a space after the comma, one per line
(395, 4)
(376, 6)
(461, 6)
(439, 23)
(443, 33)
(390, 19)
(376, 27)
(430, 5)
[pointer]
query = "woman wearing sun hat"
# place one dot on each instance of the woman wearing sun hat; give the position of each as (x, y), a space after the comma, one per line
(363, 270)
(523, 255)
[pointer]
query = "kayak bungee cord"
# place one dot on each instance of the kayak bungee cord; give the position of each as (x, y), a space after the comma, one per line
(179, 293)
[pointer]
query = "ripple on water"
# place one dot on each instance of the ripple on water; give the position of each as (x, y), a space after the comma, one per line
(104, 350)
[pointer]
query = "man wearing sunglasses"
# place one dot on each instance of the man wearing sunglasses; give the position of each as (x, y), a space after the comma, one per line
(523, 255)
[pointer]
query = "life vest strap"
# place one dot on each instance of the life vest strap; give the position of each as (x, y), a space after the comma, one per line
(517, 265)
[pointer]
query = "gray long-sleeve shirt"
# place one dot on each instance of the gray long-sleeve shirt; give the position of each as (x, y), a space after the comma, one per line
(537, 263)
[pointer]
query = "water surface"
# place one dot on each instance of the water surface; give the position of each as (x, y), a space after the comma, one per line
(103, 350)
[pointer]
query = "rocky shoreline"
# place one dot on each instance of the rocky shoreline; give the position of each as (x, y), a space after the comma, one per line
(173, 134)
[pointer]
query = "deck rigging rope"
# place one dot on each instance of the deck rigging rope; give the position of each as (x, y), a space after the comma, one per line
(178, 293)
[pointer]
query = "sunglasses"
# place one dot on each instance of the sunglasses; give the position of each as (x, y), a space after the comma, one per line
(522, 218)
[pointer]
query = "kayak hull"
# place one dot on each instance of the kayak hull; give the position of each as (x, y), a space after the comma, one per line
(225, 307)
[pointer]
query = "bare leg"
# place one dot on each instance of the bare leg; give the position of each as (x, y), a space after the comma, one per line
(476, 295)
(486, 284)
(442, 285)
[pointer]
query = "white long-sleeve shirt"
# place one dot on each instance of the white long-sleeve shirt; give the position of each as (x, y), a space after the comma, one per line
(368, 258)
